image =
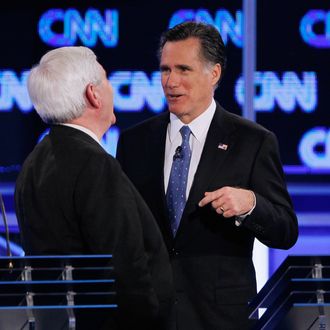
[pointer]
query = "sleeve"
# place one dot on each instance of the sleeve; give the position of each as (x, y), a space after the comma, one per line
(111, 223)
(273, 221)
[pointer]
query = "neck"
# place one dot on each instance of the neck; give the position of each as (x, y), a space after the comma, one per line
(96, 129)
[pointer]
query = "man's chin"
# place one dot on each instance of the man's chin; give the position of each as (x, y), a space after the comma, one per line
(176, 110)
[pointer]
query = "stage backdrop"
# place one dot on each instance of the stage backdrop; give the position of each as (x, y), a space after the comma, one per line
(292, 81)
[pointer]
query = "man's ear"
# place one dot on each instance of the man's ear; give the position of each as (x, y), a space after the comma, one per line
(216, 73)
(93, 96)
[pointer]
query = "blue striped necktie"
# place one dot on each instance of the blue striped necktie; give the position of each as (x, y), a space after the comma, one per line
(177, 185)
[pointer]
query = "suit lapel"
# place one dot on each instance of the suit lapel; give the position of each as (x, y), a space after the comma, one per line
(157, 151)
(157, 154)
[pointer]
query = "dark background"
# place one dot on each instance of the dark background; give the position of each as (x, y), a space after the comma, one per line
(280, 49)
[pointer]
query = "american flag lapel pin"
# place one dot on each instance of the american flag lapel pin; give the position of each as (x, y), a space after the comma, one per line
(222, 146)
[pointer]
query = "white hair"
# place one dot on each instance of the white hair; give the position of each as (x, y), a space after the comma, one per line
(57, 85)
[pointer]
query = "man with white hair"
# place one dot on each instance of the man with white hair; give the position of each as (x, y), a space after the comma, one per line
(73, 198)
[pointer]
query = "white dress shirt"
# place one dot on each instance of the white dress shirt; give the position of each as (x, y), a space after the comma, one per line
(199, 128)
(83, 129)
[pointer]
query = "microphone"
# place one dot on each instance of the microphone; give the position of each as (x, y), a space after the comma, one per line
(177, 154)
(3, 211)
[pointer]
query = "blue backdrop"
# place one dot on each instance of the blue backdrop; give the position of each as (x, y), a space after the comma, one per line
(292, 81)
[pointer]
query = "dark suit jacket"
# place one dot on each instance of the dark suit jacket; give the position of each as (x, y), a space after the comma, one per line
(211, 257)
(73, 198)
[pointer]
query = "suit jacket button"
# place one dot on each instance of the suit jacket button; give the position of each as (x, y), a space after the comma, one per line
(174, 252)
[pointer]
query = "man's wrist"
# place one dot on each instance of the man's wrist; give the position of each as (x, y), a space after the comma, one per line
(240, 218)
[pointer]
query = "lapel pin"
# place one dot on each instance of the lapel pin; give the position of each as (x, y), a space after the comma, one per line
(223, 146)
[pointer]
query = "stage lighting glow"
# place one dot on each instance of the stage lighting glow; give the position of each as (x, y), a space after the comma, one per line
(314, 148)
(310, 28)
(87, 29)
(13, 91)
(133, 91)
(229, 27)
(289, 93)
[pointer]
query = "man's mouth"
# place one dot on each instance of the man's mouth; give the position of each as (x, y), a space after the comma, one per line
(173, 97)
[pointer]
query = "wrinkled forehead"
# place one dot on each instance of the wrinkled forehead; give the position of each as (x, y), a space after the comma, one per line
(188, 49)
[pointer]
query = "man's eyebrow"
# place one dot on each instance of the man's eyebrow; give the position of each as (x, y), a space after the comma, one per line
(163, 67)
(183, 67)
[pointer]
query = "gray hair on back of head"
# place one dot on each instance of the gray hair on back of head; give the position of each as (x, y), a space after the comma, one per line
(57, 85)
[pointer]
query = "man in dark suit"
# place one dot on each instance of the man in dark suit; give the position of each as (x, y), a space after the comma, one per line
(73, 198)
(233, 193)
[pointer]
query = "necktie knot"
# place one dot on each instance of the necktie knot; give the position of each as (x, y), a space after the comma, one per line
(185, 133)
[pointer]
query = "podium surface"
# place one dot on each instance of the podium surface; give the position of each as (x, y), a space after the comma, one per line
(54, 292)
(296, 297)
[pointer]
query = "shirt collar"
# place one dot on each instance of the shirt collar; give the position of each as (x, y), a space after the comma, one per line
(198, 126)
(83, 129)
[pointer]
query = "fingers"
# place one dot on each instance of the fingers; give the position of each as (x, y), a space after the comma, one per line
(229, 201)
(224, 211)
(220, 210)
(210, 197)
(215, 198)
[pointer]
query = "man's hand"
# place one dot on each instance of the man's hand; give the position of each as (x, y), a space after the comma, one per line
(229, 201)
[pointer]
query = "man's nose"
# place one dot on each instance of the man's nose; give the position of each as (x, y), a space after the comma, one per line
(173, 80)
